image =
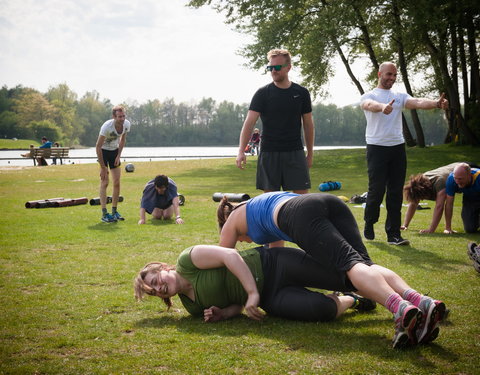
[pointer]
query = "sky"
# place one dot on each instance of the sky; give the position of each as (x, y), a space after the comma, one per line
(133, 51)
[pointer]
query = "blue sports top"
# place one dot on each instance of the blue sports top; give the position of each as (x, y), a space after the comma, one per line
(261, 227)
(473, 189)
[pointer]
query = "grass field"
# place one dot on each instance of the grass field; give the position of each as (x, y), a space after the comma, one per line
(17, 144)
(66, 279)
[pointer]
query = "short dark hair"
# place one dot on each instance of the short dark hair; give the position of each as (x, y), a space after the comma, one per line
(44, 138)
(161, 180)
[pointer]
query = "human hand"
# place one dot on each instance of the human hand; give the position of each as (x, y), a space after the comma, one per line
(141, 221)
(449, 231)
(403, 227)
(179, 220)
(103, 173)
(388, 108)
(251, 307)
(442, 102)
(241, 160)
(213, 314)
(117, 161)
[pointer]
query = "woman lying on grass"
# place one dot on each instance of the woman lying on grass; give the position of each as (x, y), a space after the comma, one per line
(219, 282)
(323, 226)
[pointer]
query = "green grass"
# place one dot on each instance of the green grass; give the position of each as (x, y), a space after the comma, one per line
(17, 144)
(67, 303)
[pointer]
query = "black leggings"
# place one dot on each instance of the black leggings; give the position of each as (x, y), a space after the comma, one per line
(323, 226)
(287, 274)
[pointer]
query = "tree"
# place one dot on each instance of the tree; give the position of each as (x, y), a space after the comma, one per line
(64, 102)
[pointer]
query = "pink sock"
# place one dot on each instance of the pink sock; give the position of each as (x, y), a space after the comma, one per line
(393, 302)
(412, 296)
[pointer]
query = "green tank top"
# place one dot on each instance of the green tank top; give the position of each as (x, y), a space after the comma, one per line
(217, 286)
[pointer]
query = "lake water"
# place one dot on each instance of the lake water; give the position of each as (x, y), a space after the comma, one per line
(132, 154)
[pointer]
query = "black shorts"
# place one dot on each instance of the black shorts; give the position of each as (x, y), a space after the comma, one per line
(282, 169)
(109, 158)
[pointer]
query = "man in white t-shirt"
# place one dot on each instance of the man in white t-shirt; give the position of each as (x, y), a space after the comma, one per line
(110, 143)
(386, 157)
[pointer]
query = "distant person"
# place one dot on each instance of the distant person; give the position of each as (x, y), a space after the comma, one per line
(386, 157)
(160, 199)
(110, 143)
(284, 107)
(255, 141)
(466, 180)
(429, 185)
(54, 160)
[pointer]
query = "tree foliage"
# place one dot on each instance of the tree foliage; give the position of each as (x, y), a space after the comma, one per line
(436, 40)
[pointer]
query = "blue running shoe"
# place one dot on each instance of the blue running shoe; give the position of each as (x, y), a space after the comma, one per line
(107, 218)
(118, 217)
(407, 319)
(434, 312)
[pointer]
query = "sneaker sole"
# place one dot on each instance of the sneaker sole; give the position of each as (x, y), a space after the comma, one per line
(472, 254)
(435, 315)
(410, 323)
(401, 243)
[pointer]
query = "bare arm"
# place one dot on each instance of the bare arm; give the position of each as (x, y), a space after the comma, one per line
(209, 256)
(98, 149)
(245, 135)
(437, 212)
(374, 106)
(309, 136)
(121, 145)
(449, 214)
(142, 216)
(176, 210)
(423, 103)
(412, 208)
(215, 314)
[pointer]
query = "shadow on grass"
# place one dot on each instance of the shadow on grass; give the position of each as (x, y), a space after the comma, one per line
(345, 335)
(416, 257)
(105, 227)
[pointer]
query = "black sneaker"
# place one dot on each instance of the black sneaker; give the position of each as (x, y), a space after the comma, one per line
(368, 232)
(361, 303)
(398, 241)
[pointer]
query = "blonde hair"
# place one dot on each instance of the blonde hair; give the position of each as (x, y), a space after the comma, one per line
(118, 108)
(141, 287)
(280, 52)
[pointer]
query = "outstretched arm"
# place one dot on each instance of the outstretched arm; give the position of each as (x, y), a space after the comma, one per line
(209, 256)
(449, 214)
(374, 106)
(415, 103)
(437, 212)
(412, 208)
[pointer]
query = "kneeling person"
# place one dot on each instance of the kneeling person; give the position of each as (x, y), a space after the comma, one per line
(160, 199)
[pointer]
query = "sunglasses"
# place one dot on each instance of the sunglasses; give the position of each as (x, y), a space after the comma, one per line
(276, 67)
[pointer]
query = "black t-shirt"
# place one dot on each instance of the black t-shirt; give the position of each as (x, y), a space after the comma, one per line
(281, 112)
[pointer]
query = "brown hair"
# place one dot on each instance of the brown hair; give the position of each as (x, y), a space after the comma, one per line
(141, 287)
(117, 108)
(280, 52)
(225, 208)
(417, 188)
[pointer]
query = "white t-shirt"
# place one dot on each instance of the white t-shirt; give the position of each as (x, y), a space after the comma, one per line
(112, 138)
(385, 130)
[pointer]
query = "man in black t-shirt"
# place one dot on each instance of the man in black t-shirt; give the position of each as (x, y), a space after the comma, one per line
(284, 107)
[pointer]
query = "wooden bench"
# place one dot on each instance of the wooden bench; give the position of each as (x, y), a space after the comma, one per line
(49, 153)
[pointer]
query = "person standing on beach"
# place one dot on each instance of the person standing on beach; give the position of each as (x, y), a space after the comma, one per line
(110, 143)
(284, 108)
(386, 157)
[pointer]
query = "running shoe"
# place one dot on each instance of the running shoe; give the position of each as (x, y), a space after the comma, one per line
(473, 251)
(118, 217)
(361, 303)
(407, 319)
(434, 312)
(398, 241)
(107, 218)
